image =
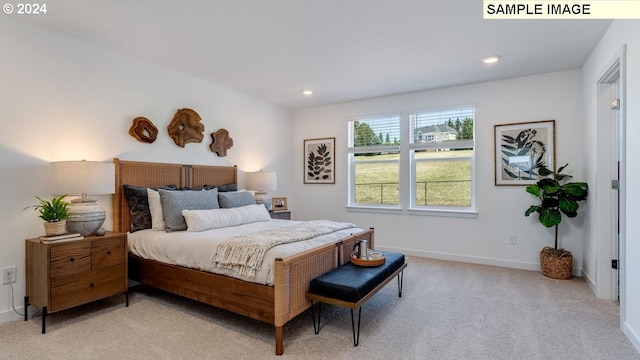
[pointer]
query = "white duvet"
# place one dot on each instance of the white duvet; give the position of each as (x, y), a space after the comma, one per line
(194, 249)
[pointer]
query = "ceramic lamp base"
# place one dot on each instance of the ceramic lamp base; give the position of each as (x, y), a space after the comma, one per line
(263, 198)
(85, 217)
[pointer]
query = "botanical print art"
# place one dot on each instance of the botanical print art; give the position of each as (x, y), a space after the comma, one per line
(319, 161)
(522, 149)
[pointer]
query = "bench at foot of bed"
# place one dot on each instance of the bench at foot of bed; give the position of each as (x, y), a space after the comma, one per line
(351, 286)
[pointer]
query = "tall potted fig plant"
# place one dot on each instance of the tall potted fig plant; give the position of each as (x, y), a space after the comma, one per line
(557, 196)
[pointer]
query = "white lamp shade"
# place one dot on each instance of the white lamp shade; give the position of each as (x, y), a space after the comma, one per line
(261, 181)
(82, 177)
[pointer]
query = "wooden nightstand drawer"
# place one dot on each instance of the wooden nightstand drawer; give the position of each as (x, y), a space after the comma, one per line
(70, 258)
(107, 252)
(284, 214)
(85, 287)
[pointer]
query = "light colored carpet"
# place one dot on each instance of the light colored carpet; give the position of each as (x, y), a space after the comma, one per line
(448, 310)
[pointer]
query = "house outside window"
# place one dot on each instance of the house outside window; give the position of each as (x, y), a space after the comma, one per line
(442, 164)
(437, 150)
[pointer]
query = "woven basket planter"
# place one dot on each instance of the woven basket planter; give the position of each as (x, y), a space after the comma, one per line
(55, 228)
(556, 264)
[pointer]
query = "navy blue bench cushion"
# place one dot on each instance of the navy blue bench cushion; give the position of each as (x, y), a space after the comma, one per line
(351, 282)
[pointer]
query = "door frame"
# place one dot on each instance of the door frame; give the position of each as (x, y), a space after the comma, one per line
(605, 202)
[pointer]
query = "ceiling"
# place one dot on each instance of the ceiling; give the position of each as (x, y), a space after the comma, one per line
(343, 50)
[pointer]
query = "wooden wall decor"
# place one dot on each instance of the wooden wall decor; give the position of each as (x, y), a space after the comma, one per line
(221, 142)
(186, 127)
(143, 130)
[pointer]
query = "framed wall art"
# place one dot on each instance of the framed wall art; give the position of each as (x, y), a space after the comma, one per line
(319, 164)
(279, 204)
(521, 149)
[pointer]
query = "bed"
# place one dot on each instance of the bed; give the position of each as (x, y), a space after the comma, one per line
(275, 303)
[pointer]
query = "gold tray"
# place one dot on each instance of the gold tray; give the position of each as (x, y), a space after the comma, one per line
(373, 262)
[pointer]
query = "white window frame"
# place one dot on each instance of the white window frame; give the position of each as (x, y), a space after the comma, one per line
(407, 176)
(352, 150)
(413, 146)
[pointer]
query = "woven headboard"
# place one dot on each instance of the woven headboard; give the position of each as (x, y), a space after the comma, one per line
(152, 174)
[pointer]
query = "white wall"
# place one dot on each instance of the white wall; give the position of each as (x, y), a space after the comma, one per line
(620, 32)
(500, 208)
(62, 99)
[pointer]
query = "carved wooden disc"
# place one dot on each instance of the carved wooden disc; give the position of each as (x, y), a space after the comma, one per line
(143, 130)
(186, 127)
(221, 142)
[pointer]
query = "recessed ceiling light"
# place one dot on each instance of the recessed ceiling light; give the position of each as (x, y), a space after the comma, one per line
(307, 92)
(491, 59)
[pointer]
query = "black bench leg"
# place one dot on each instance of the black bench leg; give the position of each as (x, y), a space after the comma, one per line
(316, 326)
(356, 336)
(400, 278)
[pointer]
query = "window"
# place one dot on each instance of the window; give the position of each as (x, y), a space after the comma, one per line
(438, 148)
(442, 163)
(374, 161)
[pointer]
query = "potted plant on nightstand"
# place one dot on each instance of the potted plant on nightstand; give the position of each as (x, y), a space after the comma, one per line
(55, 214)
(557, 197)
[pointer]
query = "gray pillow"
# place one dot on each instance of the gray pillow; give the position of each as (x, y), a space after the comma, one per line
(173, 202)
(235, 199)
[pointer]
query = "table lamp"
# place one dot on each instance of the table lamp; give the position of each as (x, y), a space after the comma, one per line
(86, 216)
(261, 182)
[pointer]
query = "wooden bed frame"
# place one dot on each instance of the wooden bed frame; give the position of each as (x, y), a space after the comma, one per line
(275, 304)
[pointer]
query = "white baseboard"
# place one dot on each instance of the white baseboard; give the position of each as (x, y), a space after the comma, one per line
(590, 283)
(10, 315)
(632, 336)
(473, 259)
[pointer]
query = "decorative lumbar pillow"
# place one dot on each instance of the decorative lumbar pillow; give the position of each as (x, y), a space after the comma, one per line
(173, 202)
(235, 199)
(200, 220)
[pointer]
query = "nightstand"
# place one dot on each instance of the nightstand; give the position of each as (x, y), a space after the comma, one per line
(284, 214)
(64, 274)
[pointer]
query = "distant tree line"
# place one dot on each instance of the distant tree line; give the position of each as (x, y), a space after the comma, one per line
(464, 127)
(365, 136)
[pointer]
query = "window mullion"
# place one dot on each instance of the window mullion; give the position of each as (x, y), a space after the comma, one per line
(406, 174)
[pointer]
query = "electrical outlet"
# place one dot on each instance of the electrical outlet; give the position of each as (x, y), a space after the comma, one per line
(513, 239)
(9, 275)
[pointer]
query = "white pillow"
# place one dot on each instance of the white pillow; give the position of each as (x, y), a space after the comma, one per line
(155, 208)
(200, 220)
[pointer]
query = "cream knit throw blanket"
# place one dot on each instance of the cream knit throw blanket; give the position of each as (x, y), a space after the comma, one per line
(244, 253)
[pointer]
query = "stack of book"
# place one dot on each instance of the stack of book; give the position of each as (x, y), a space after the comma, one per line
(60, 238)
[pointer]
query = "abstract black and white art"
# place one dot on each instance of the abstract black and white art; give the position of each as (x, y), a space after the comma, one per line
(522, 149)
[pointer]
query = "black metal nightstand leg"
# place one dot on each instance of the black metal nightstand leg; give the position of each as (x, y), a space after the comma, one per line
(44, 319)
(26, 308)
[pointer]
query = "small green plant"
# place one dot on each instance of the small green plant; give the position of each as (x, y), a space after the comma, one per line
(557, 197)
(51, 211)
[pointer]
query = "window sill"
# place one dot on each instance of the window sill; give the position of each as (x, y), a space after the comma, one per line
(375, 209)
(444, 212)
(421, 212)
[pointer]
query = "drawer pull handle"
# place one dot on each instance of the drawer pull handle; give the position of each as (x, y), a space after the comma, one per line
(72, 259)
(92, 285)
(109, 252)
